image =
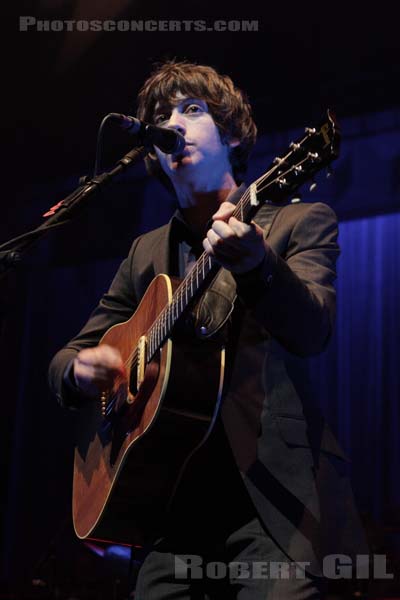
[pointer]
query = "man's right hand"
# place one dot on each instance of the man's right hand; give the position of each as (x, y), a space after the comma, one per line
(95, 369)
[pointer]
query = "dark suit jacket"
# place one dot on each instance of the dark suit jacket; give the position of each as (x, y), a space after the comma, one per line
(290, 462)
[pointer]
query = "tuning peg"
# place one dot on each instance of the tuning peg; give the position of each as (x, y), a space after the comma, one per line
(313, 185)
(329, 172)
(282, 183)
(298, 169)
(297, 198)
(310, 130)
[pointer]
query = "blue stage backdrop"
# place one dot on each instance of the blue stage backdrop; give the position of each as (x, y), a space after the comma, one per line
(47, 301)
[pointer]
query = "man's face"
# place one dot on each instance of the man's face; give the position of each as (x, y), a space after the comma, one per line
(204, 157)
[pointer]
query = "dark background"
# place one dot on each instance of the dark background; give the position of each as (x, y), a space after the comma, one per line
(57, 88)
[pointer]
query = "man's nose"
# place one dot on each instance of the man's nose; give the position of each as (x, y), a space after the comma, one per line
(177, 122)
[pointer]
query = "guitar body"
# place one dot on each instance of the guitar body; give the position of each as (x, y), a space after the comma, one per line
(128, 464)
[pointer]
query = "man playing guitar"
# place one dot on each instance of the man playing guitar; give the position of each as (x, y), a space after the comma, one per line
(266, 486)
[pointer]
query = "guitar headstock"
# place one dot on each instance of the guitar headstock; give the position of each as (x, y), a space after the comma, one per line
(316, 149)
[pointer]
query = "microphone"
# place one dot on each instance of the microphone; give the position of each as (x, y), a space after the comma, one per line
(168, 140)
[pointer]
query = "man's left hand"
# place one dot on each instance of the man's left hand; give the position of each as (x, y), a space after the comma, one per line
(237, 246)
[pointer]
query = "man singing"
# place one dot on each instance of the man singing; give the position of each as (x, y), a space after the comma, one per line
(268, 485)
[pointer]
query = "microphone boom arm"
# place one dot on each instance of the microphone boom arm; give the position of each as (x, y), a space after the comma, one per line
(11, 252)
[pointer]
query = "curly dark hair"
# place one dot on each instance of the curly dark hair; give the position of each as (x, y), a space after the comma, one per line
(227, 104)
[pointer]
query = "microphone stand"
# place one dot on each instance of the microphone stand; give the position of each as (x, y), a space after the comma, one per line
(11, 252)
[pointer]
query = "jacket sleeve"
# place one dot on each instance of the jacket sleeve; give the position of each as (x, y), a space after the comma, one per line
(117, 305)
(292, 295)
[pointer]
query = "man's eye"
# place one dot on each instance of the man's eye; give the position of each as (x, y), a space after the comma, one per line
(193, 108)
(161, 118)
